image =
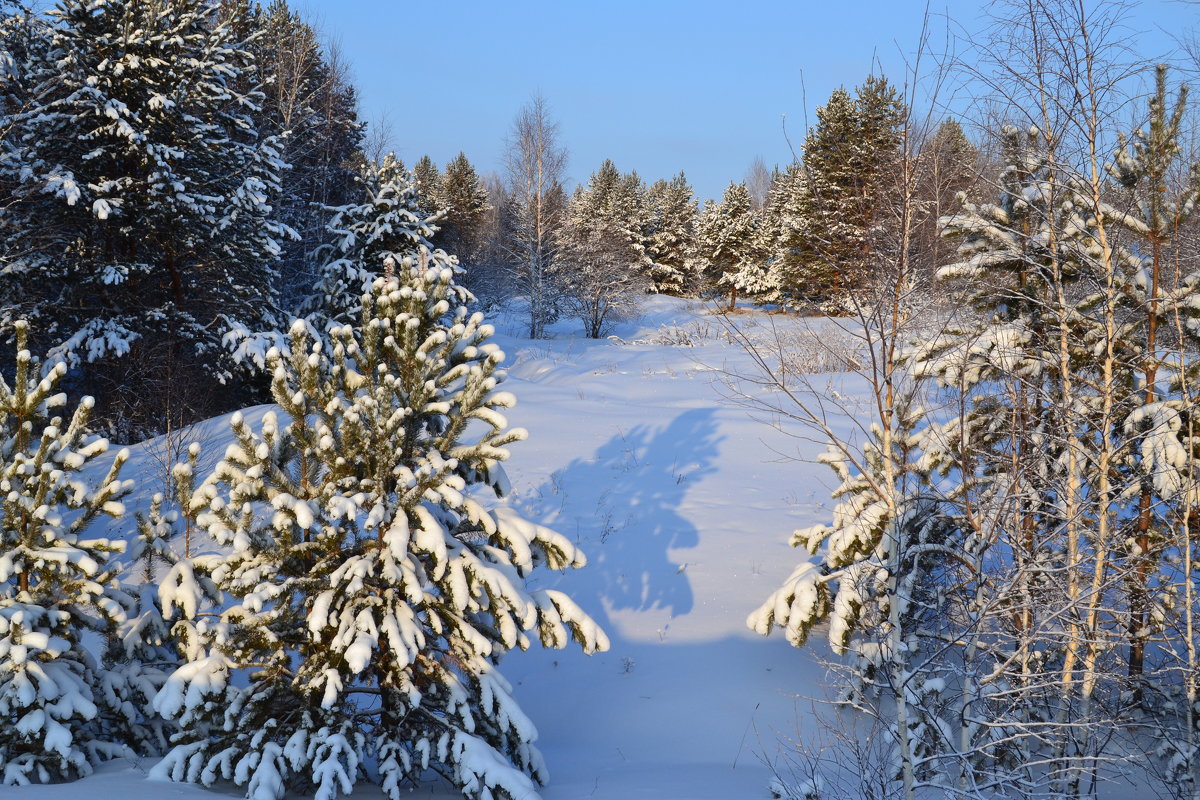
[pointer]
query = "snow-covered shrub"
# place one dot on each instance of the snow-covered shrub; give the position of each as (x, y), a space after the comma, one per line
(373, 591)
(815, 350)
(601, 276)
(54, 585)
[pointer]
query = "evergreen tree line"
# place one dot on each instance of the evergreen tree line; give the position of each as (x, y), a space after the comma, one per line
(804, 242)
(179, 180)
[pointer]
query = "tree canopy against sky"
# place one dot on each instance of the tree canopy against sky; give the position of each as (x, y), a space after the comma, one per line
(651, 110)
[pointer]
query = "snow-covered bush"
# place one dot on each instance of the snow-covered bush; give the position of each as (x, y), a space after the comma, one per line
(600, 277)
(372, 589)
(54, 585)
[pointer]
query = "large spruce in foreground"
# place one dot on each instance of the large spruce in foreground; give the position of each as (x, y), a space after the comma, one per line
(138, 233)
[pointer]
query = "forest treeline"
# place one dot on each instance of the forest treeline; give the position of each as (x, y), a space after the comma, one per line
(179, 181)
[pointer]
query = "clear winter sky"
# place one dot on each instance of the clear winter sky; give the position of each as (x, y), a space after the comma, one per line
(657, 85)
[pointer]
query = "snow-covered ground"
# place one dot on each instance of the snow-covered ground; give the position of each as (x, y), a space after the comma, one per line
(684, 507)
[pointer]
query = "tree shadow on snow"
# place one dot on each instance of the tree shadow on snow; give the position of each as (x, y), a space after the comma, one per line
(622, 504)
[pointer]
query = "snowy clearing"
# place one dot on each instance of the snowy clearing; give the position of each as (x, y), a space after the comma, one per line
(683, 507)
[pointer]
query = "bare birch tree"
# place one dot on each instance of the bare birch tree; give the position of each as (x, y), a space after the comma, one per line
(536, 164)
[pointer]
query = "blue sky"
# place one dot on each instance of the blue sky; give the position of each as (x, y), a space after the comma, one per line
(658, 85)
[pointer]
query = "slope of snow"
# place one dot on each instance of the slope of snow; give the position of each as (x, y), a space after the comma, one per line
(684, 506)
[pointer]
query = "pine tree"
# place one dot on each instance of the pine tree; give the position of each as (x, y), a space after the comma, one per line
(671, 234)
(372, 592)
(781, 217)
(145, 649)
(428, 181)
(463, 223)
(877, 578)
(600, 197)
(159, 633)
(947, 166)
(142, 150)
(614, 201)
(55, 586)
(841, 211)
(1157, 302)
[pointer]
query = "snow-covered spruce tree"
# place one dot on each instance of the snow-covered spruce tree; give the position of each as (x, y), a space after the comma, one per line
(730, 242)
(24, 43)
(780, 214)
(140, 146)
(373, 592)
(671, 235)
(388, 223)
(55, 586)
